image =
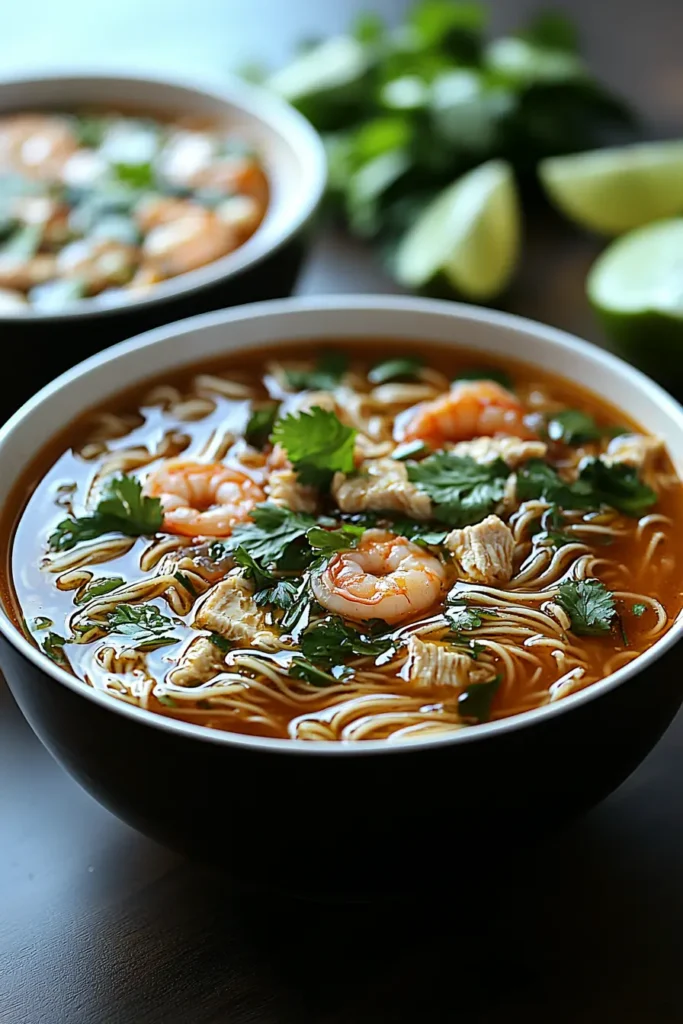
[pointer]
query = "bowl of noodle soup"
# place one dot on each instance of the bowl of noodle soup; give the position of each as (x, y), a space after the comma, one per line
(359, 569)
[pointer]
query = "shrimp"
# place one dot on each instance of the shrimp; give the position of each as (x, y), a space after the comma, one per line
(202, 499)
(477, 408)
(187, 242)
(385, 577)
(36, 144)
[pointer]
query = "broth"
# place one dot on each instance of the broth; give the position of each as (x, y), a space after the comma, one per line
(353, 631)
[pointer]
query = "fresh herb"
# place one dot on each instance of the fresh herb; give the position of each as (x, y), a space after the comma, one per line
(185, 581)
(301, 668)
(142, 624)
(409, 450)
(475, 702)
(638, 609)
(53, 645)
(589, 605)
(573, 427)
(167, 701)
(536, 479)
(317, 443)
(220, 642)
(420, 533)
(622, 629)
(272, 534)
(121, 509)
(41, 622)
(282, 594)
(138, 176)
(98, 588)
(486, 373)
(401, 369)
(217, 550)
(618, 486)
(327, 374)
(91, 130)
(462, 617)
(330, 641)
(329, 541)
(252, 569)
(260, 425)
(463, 490)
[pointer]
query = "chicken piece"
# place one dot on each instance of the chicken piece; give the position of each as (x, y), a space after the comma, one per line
(201, 662)
(483, 551)
(512, 450)
(283, 488)
(637, 450)
(230, 610)
(381, 485)
(437, 664)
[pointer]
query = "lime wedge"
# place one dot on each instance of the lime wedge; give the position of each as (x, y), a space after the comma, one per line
(330, 70)
(467, 240)
(614, 190)
(636, 288)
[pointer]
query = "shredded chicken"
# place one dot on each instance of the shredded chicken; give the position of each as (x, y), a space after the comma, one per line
(230, 610)
(512, 450)
(637, 450)
(381, 485)
(483, 551)
(437, 664)
(201, 662)
(283, 488)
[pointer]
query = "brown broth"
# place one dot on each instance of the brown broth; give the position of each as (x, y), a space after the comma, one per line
(30, 515)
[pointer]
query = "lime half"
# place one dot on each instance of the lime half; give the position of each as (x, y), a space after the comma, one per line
(467, 240)
(636, 288)
(614, 190)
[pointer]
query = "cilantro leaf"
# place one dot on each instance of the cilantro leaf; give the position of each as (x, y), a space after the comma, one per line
(220, 642)
(260, 425)
(139, 175)
(273, 532)
(639, 609)
(536, 479)
(486, 373)
(53, 645)
(121, 509)
(571, 426)
(462, 617)
(475, 702)
(395, 369)
(463, 491)
(252, 569)
(329, 370)
(618, 486)
(420, 533)
(142, 624)
(97, 588)
(330, 641)
(185, 581)
(329, 541)
(317, 443)
(589, 605)
(301, 668)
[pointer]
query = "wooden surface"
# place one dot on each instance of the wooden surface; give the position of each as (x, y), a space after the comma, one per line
(100, 926)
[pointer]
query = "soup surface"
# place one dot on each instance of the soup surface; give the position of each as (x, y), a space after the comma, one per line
(348, 542)
(109, 205)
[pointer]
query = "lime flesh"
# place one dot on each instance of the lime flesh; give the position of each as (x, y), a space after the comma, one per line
(467, 240)
(636, 288)
(611, 191)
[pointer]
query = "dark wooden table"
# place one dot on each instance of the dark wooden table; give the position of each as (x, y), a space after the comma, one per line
(98, 925)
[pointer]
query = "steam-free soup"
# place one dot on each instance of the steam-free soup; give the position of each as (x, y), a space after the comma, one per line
(108, 205)
(349, 542)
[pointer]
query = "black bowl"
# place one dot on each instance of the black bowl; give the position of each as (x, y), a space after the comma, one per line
(43, 345)
(346, 820)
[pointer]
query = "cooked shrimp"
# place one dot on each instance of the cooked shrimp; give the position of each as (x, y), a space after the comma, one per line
(202, 499)
(385, 577)
(98, 262)
(36, 144)
(477, 408)
(188, 242)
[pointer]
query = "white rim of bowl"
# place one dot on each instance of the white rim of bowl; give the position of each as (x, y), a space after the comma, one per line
(278, 116)
(317, 304)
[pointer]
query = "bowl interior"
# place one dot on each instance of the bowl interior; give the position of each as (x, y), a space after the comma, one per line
(207, 337)
(290, 150)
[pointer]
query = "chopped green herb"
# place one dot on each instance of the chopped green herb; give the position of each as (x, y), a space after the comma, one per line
(142, 624)
(185, 581)
(260, 425)
(618, 486)
(462, 617)
(220, 642)
(419, 533)
(486, 373)
(328, 373)
(217, 550)
(281, 594)
(536, 479)
(329, 541)
(317, 443)
(589, 605)
(121, 509)
(475, 702)
(301, 668)
(139, 176)
(638, 609)
(167, 701)
(463, 490)
(272, 534)
(573, 427)
(253, 569)
(41, 622)
(395, 369)
(331, 641)
(97, 588)
(53, 646)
